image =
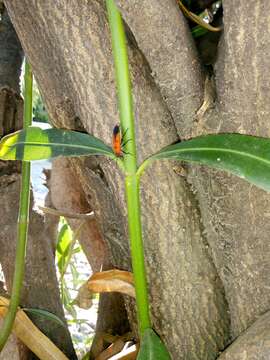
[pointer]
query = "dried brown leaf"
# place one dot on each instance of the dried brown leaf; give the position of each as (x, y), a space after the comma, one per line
(31, 336)
(112, 281)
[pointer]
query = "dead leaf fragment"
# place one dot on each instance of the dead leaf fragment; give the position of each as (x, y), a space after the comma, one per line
(112, 281)
(31, 336)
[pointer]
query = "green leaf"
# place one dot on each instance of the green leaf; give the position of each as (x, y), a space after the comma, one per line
(67, 302)
(152, 347)
(37, 144)
(63, 247)
(78, 249)
(75, 274)
(46, 314)
(198, 31)
(245, 156)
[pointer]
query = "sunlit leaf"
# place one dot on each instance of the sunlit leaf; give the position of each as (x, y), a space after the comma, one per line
(76, 250)
(152, 348)
(37, 144)
(63, 247)
(45, 314)
(245, 156)
(75, 273)
(67, 301)
(111, 281)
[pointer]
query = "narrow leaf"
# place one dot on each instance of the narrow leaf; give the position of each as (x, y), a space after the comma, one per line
(152, 348)
(245, 156)
(198, 31)
(45, 314)
(63, 246)
(37, 144)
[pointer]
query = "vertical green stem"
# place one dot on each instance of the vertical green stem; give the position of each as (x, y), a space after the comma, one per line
(130, 163)
(123, 85)
(136, 243)
(22, 229)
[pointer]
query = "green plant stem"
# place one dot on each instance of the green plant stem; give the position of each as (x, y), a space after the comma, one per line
(130, 164)
(22, 228)
(135, 232)
(123, 85)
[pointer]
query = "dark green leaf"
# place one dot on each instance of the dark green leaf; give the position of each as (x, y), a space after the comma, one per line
(152, 347)
(198, 31)
(37, 144)
(245, 156)
(46, 314)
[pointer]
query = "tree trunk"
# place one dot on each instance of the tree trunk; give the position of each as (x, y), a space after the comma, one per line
(40, 285)
(205, 234)
(68, 196)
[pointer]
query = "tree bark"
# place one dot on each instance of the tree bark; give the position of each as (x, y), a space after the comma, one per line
(68, 196)
(205, 235)
(252, 344)
(164, 38)
(75, 73)
(40, 286)
(235, 213)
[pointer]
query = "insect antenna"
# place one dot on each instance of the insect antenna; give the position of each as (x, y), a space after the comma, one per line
(123, 144)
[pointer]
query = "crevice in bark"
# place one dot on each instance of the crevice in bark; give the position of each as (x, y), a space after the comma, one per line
(252, 344)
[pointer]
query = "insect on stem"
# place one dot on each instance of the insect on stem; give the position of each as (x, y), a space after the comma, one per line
(118, 142)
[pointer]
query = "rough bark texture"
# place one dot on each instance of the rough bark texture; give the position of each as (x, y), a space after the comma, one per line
(40, 285)
(164, 38)
(253, 344)
(10, 351)
(194, 267)
(68, 196)
(75, 72)
(236, 214)
(11, 54)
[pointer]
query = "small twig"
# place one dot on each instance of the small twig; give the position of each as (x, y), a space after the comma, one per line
(66, 214)
(209, 98)
(117, 345)
(197, 19)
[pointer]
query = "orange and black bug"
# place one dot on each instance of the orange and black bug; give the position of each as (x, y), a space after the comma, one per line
(118, 141)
